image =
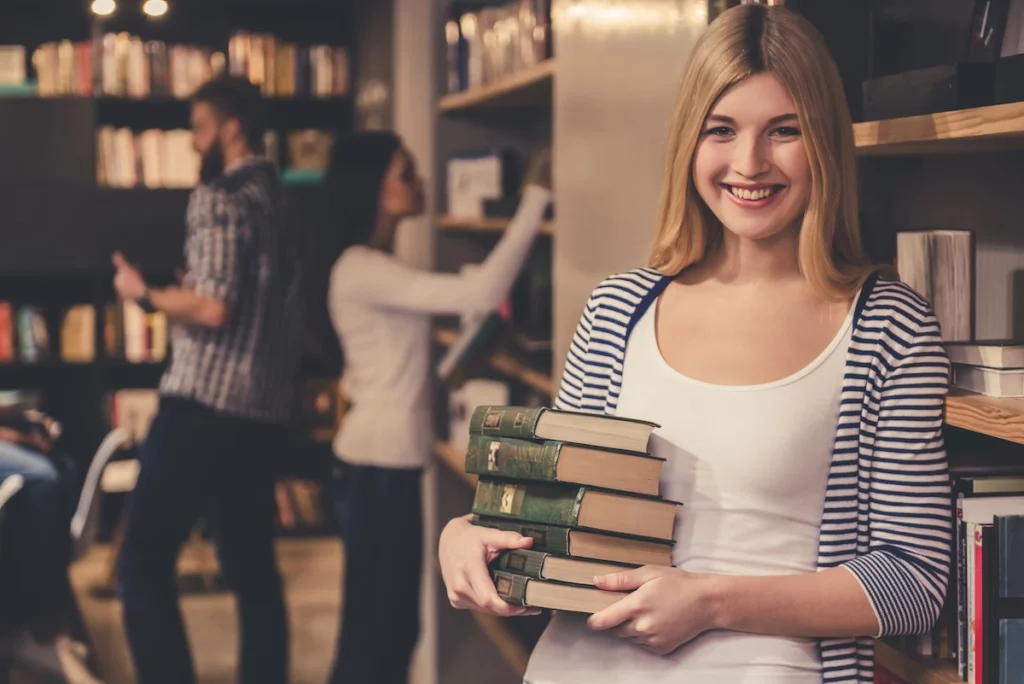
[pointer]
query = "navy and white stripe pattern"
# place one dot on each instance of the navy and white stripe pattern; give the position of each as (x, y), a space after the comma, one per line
(887, 516)
(238, 250)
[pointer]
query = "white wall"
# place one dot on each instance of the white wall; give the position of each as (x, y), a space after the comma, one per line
(618, 68)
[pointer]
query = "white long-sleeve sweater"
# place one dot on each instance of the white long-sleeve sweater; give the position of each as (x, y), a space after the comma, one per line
(381, 311)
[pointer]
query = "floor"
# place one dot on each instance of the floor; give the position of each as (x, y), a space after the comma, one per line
(312, 572)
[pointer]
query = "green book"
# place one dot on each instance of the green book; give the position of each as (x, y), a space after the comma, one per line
(582, 544)
(576, 506)
(520, 590)
(551, 461)
(546, 566)
(540, 423)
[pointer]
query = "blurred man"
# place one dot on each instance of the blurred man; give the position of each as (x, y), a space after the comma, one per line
(224, 398)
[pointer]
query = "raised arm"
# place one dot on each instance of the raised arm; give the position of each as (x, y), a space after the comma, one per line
(378, 279)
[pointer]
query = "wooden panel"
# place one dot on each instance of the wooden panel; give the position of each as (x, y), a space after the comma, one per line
(914, 669)
(983, 128)
(455, 461)
(530, 87)
(485, 225)
(993, 416)
(503, 363)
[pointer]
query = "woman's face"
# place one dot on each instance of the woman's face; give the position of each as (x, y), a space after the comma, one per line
(750, 167)
(401, 193)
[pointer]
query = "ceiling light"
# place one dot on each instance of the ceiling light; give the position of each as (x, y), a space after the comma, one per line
(103, 7)
(155, 8)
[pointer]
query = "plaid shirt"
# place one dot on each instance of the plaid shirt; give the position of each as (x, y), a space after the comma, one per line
(238, 250)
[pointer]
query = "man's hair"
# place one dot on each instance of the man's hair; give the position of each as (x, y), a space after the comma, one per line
(234, 97)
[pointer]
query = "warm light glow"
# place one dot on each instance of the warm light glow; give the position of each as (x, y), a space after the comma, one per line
(155, 8)
(103, 7)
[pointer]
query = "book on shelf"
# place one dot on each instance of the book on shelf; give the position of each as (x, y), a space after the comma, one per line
(33, 337)
(487, 44)
(554, 461)
(150, 159)
(526, 591)
(285, 69)
(993, 382)
(584, 544)
(939, 266)
(78, 334)
(999, 354)
(7, 336)
(134, 335)
(543, 423)
(13, 70)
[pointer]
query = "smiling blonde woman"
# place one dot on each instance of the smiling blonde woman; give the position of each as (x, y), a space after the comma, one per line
(800, 393)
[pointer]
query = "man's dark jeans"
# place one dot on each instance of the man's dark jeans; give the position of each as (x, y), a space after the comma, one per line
(197, 462)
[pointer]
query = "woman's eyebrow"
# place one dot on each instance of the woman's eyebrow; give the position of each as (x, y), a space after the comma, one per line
(721, 118)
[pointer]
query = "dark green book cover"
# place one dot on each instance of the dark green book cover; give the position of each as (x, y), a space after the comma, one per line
(522, 562)
(549, 538)
(505, 421)
(517, 459)
(543, 502)
(511, 587)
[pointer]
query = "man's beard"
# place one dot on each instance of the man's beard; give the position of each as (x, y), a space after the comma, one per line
(212, 165)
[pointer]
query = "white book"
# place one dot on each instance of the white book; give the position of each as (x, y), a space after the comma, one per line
(939, 266)
(989, 381)
(1003, 354)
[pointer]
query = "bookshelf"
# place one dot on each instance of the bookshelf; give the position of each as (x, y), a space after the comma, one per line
(997, 127)
(484, 225)
(915, 669)
(507, 365)
(530, 87)
(992, 416)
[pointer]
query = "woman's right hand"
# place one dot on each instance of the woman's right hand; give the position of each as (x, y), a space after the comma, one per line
(464, 551)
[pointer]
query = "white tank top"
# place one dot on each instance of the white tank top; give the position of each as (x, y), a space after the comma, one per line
(750, 464)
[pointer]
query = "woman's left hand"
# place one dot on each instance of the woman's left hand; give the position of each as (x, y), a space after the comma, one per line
(667, 607)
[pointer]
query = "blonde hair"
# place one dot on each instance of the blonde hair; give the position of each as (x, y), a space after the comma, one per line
(743, 41)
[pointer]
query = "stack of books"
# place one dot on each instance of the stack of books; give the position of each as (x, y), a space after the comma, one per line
(992, 367)
(583, 487)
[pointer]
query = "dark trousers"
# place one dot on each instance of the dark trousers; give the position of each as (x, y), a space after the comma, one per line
(36, 541)
(195, 462)
(380, 521)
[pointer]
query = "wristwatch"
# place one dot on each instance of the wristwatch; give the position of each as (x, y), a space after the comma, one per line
(144, 302)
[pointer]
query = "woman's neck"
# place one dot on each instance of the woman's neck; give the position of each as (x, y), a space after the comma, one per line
(740, 261)
(383, 236)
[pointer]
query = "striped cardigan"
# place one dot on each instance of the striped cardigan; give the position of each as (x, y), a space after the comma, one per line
(887, 515)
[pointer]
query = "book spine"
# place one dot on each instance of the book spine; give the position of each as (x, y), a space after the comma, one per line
(513, 458)
(533, 502)
(522, 562)
(546, 538)
(505, 421)
(511, 588)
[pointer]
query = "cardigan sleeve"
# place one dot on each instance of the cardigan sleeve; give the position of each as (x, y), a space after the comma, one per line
(571, 389)
(906, 567)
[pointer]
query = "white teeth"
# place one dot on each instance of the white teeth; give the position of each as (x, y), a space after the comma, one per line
(753, 195)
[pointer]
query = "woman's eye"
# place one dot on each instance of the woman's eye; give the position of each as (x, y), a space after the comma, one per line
(786, 132)
(719, 131)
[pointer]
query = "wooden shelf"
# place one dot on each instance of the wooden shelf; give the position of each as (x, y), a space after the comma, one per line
(484, 225)
(967, 130)
(507, 365)
(993, 416)
(455, 461)
(915, 669)
(530, 87)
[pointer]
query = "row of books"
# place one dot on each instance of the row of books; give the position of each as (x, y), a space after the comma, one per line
(151, 159)
(487, 44)
(585, 489)
(284, 69)
(129, 333)
(123, 65)
(982, 622)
